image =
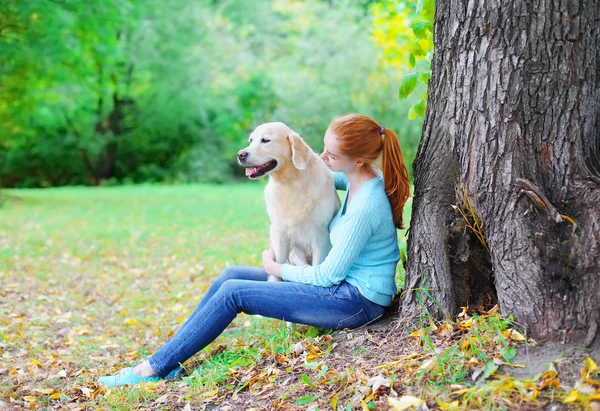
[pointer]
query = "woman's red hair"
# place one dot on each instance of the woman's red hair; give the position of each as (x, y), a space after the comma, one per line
(360, 137)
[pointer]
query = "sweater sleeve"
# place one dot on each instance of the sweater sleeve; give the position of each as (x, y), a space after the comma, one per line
(358, 229)
(340, 181)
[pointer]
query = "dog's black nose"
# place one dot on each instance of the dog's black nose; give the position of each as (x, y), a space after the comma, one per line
(242, 155)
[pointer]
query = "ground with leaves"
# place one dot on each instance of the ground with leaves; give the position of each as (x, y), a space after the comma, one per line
(96, 279)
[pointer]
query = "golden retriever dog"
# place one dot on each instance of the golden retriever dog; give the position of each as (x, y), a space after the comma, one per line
(300, 195)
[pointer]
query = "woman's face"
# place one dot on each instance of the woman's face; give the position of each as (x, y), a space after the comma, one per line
(332, 155)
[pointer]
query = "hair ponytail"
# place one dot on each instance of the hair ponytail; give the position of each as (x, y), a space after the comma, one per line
(361, 137)
(395, 175)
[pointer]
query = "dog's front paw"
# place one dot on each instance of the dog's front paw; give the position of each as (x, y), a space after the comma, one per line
(274, 278)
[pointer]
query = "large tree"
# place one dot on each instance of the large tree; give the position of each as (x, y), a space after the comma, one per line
(507, 175)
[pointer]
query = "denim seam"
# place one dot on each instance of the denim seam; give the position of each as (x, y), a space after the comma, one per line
(362, 311)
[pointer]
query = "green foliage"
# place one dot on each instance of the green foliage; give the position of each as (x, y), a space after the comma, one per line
(405, 31)
(307, 399)
(409, 82)
(128, 91)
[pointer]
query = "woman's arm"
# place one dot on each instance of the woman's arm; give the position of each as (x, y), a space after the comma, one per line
(358, 228)
(269, 264)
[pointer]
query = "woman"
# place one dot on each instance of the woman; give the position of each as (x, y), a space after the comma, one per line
(350, 288)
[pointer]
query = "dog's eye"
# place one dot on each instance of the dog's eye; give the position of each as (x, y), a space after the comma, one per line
(265, 140)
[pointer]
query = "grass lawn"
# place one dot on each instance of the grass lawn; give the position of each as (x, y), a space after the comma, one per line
(94, 279)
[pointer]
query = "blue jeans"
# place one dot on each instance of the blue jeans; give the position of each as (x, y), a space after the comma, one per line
(246, 289)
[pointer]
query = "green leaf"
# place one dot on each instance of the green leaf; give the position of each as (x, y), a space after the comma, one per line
(412, 114)
(427, 8)
(418, 50)
(313, 365)
(489, 369)
(323, 372)
(420, 108)
(306, 380)
(409, 82)
(425, 76)
(509, 353)
(420, 29)
(307, 399)
(312, 332)
(411, 60)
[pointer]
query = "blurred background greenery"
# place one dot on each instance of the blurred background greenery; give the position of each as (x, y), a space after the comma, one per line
(123, 91)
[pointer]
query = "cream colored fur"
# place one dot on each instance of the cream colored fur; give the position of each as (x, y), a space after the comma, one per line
(300, 196)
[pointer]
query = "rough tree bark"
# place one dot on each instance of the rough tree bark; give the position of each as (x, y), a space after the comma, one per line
(512, 126)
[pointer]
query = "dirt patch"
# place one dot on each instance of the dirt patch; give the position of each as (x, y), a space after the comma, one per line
(565, 357)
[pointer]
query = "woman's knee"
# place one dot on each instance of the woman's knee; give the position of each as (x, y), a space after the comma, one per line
(230, 294)
(230, 273)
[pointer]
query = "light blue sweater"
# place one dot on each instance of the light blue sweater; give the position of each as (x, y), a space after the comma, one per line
(364, 245)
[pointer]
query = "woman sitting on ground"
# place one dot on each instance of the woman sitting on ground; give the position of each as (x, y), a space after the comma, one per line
(353, 285)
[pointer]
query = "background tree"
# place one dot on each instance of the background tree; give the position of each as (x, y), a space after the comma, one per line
(152, 91)
(507, 175)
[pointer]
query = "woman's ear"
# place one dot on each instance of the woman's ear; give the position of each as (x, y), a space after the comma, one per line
(301, 152)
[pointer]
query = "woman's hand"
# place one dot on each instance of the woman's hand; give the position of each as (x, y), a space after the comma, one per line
(269, 264)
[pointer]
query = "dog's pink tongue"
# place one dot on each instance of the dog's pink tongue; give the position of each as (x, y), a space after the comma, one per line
(250, 171)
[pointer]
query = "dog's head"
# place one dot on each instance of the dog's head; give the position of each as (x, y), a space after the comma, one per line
(273, 147)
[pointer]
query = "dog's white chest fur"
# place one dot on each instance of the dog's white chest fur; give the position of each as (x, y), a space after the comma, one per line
(300, 211)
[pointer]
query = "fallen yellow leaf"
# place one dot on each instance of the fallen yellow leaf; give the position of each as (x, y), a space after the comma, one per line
(404, 402)
(44, 391)
(572, 397)
(449, 407)
(465, 344)
(467, 323)
(516, 336)
(444, 328)
(493, 310)
(30, 398)
(35, 362)
(55, 396)
(210, 393)
(416, 333)
(590, 365)
(463, 391)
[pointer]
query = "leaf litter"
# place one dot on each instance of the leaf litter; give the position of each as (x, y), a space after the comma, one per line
(81, 299)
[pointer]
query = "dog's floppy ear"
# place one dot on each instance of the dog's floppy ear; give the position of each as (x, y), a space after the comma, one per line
(301, 152)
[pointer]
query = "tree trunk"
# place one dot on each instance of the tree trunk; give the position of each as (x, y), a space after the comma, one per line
(512, 133)
(106, 165)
